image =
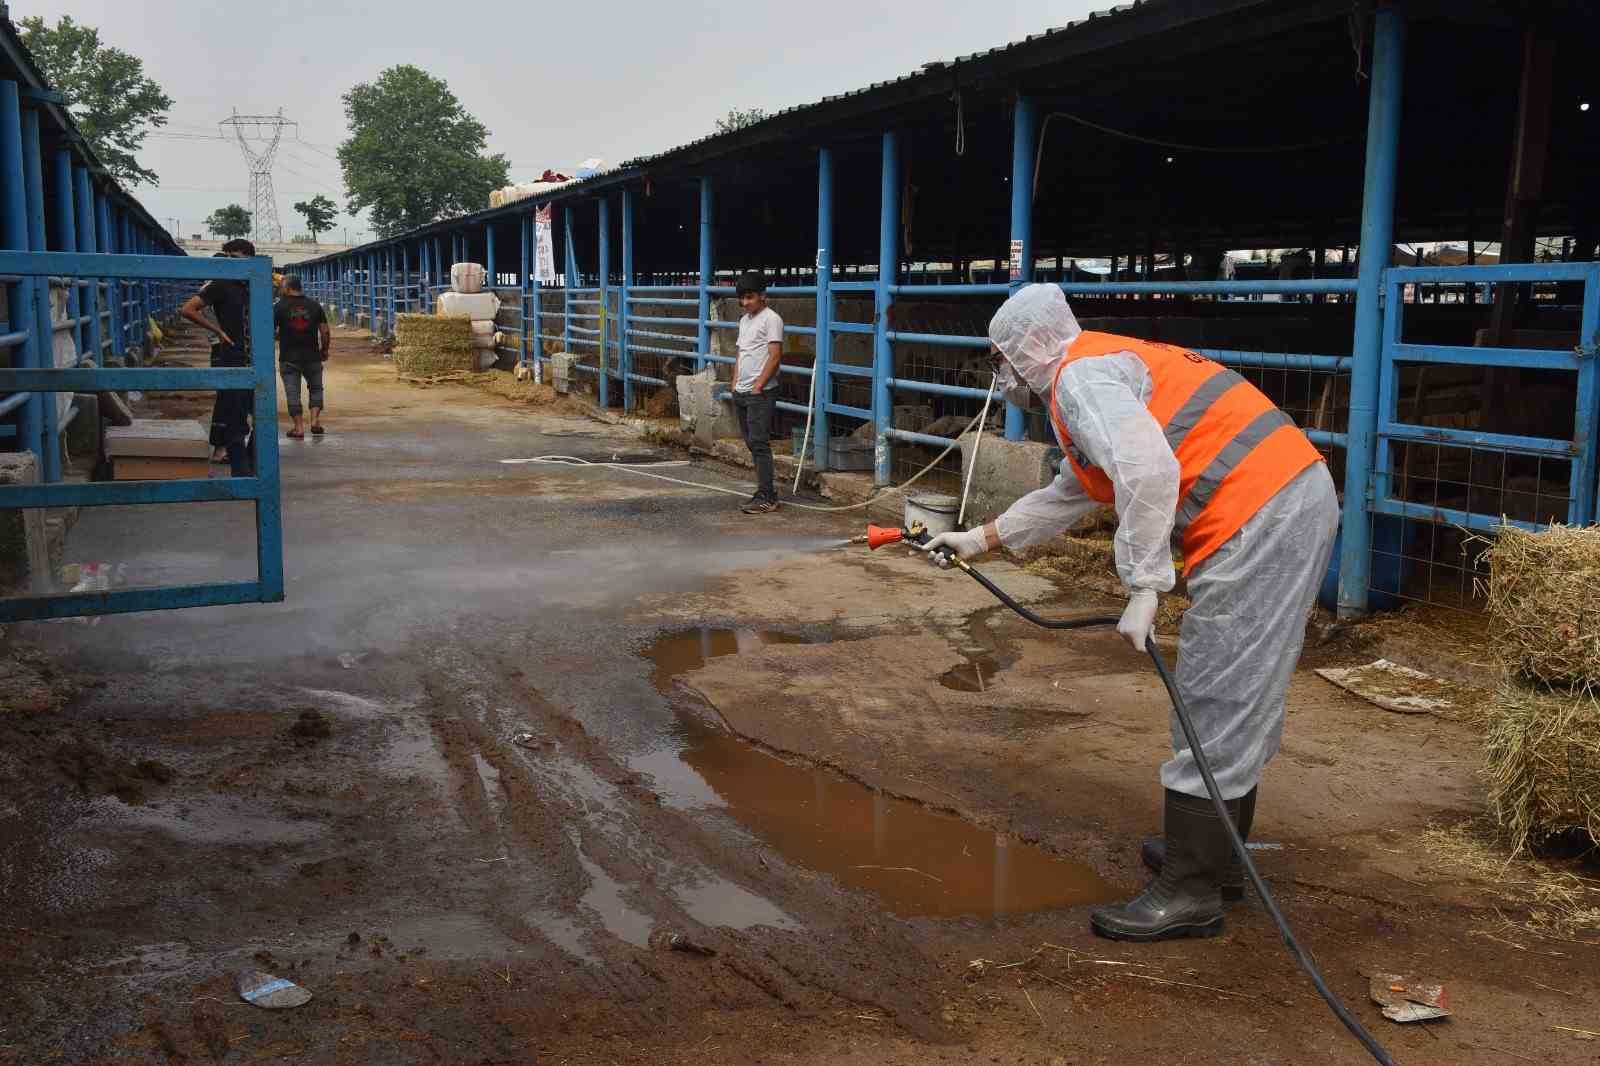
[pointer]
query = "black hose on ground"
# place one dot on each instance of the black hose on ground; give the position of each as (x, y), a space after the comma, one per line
(1358, 1030)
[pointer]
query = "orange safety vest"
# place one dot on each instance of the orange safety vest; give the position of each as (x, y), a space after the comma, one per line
(1235, 449)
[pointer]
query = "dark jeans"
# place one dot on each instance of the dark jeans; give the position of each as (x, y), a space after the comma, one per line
(292, 372)
(230, 415)
(755, 423)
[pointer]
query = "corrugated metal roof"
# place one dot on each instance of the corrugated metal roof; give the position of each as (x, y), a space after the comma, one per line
(931, 72)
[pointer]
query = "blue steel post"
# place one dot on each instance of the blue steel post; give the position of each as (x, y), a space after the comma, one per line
(22, 303)
(405, 278)
(888, 271)
(102, 225)
(66, 229)
(83, 201)
(269, 523)
(1024, 142)
(388, 290)
(570, 258)
(488, 256)
(532, 327)
(624, 349)
(605, 296)
(44, 416)
(1586, 468)
(1377, 232)
(821, 381)
(372, 293)
(703, 332)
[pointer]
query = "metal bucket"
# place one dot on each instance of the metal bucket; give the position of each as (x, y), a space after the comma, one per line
(934, 510)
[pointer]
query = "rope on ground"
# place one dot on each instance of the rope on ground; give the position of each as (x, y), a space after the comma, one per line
(638, 468)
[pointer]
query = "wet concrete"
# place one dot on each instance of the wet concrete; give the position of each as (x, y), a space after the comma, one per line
(917, 861)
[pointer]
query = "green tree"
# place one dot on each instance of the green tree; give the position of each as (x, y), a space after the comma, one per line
(107, 93)
(414, 155)
(738, 120)
(230, 221)
(318, 213)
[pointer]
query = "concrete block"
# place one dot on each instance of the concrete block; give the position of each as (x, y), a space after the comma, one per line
(24, 546)
(1006, 471)
(561, 371)
(701, 412)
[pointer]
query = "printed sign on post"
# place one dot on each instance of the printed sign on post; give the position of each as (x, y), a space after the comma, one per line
(546, 246)
(1016, 260)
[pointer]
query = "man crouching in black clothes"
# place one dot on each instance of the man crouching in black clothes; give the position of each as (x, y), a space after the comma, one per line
(229, 301)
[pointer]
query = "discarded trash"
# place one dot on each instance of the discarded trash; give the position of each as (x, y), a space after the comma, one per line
(1391, 686)
(348, 661)
(669, 941)
(1262, 846)
(528, 740)
(265, 990)
(1408, 999)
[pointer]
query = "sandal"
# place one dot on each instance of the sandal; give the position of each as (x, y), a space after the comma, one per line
(296, 435)
(317, 431)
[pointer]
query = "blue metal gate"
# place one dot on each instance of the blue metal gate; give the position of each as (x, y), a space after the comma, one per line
(1475, 479)
(29, 383)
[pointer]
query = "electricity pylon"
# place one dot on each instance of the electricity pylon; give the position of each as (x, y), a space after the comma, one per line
(258, 137)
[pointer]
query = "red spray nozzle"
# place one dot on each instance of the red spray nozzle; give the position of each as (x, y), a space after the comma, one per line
(878, 536)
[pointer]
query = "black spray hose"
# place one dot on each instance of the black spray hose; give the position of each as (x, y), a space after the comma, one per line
(1356, 1028)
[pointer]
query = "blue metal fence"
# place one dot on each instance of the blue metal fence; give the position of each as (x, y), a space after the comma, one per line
(32, 382)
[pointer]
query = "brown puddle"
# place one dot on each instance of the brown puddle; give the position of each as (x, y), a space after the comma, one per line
(974, 675)
(919, 862)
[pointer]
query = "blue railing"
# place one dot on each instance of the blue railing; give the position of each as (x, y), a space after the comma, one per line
(166, 275)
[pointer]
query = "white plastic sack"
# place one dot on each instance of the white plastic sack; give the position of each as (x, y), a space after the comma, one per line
(483, 327)
(477, 305)
(486, 359)
(467, 277)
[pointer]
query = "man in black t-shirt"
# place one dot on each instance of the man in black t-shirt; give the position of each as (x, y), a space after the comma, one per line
(303, 338)
(229, 302)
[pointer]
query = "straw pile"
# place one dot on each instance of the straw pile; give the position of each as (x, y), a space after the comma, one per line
(1543, 756)
(1544, 605)
(1542, 736)
(433, 344)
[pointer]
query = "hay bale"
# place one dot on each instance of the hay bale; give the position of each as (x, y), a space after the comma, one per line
(421, 362)
(443, 333)
(1542, 752)
(1544, 616)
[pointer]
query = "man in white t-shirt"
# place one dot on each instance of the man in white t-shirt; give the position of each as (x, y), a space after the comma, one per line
(755, 384)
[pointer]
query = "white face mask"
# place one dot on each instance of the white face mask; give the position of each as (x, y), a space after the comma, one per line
(1012, 390)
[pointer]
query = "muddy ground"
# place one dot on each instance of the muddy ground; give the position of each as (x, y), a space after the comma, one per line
(517, 725)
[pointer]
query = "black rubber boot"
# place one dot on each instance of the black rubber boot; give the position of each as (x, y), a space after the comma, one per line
(1184, 900)
(1154, 852)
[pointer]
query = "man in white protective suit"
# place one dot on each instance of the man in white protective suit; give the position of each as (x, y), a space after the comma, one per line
(1192, 456)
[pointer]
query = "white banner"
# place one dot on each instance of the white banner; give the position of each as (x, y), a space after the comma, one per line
(546, 247)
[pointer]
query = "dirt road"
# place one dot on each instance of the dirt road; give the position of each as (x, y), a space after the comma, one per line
(466, 782)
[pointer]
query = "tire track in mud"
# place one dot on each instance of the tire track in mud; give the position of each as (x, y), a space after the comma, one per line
(587, 815)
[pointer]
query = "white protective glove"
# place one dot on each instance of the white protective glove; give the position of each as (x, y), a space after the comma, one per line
(1138, 623)
(965, 545)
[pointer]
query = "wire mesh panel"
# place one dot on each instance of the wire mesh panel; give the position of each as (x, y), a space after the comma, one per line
(1472, 435)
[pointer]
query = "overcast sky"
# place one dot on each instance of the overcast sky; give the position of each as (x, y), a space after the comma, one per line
(555, 83)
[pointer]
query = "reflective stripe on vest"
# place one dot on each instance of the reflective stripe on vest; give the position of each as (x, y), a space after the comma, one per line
(1235, 449)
